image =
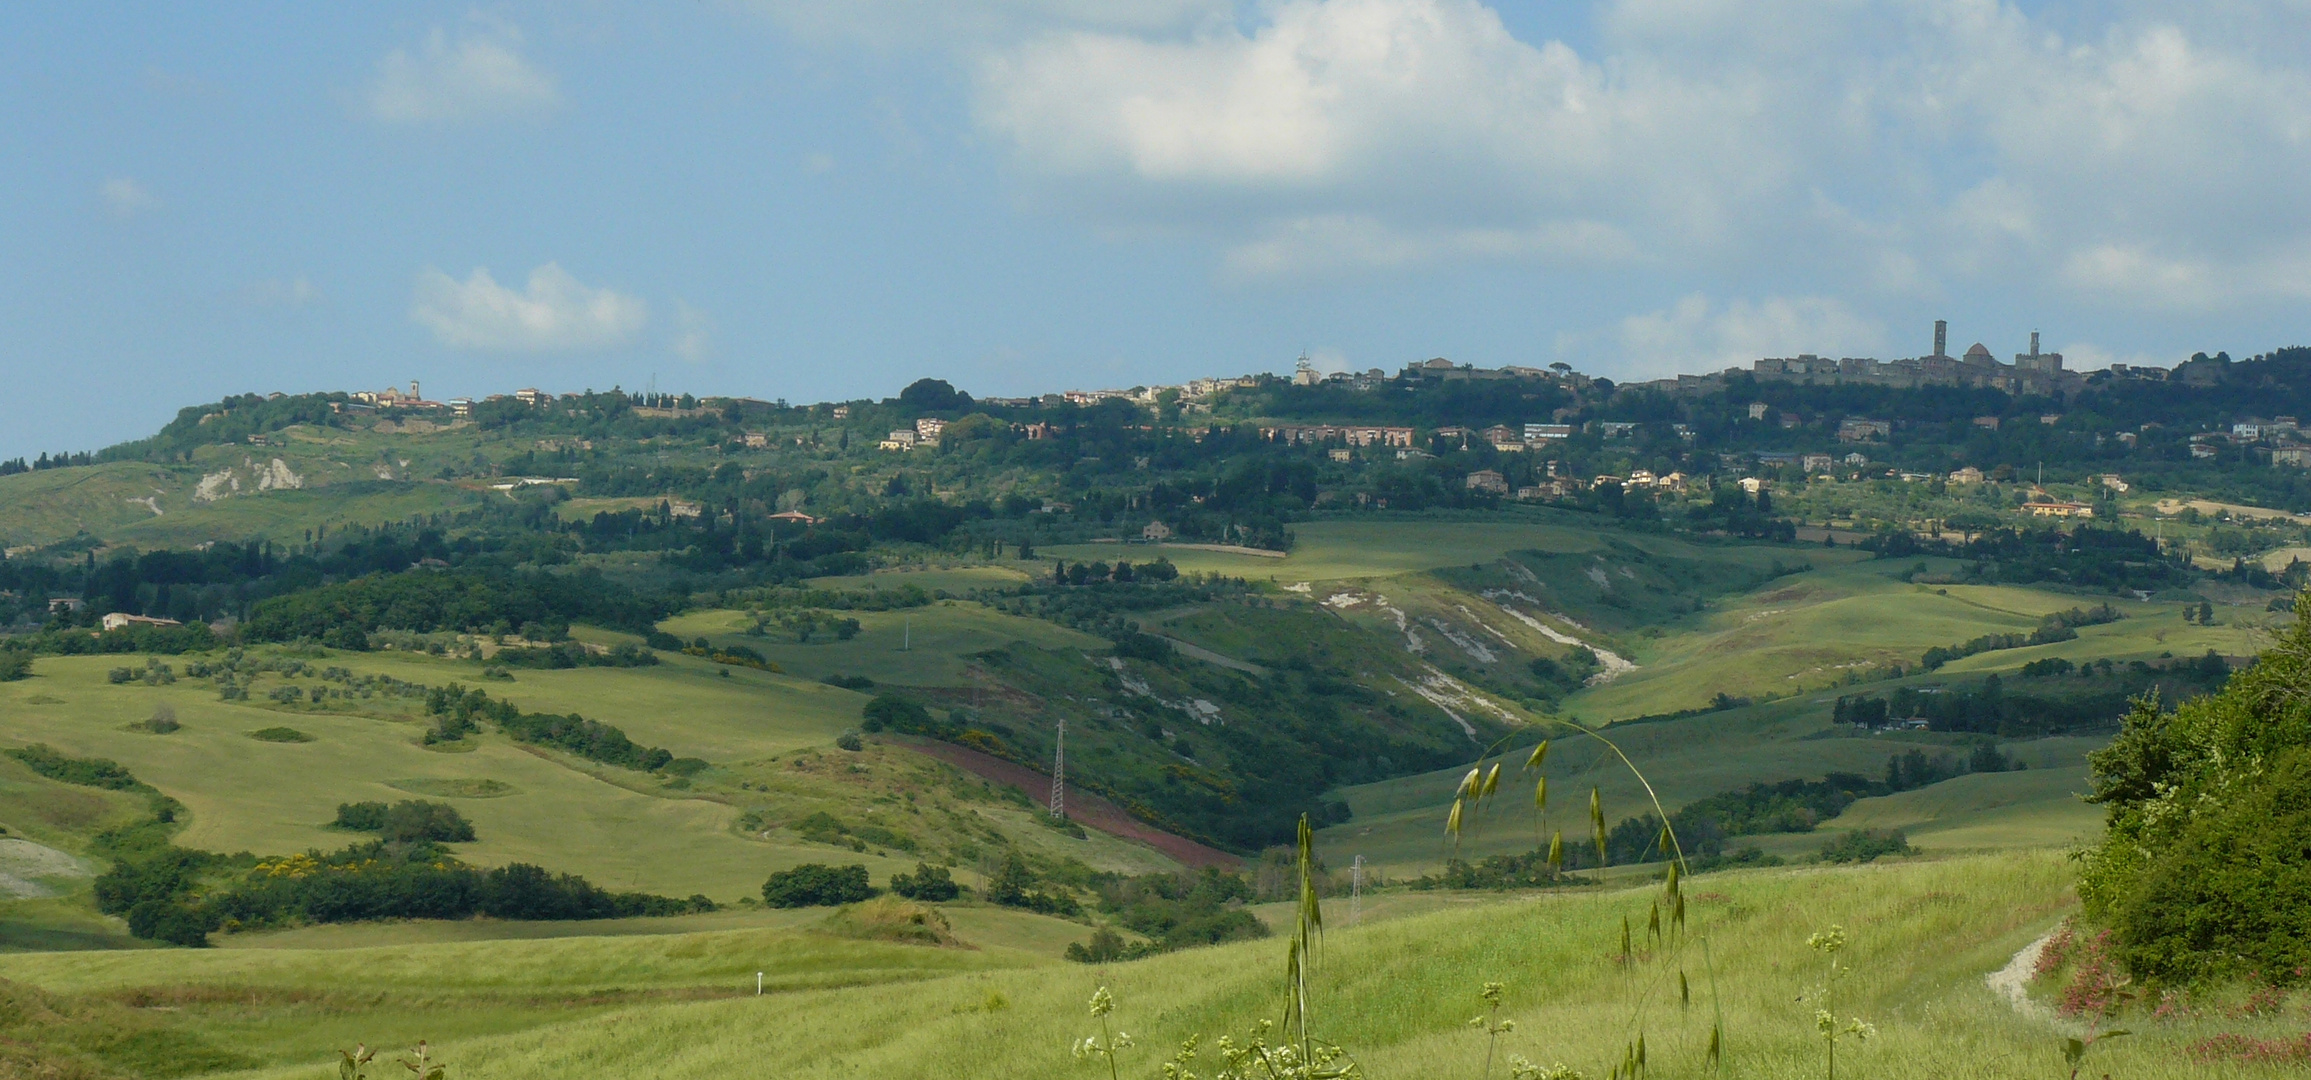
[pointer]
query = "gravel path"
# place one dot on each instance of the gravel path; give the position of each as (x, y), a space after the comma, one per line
(2012, 982)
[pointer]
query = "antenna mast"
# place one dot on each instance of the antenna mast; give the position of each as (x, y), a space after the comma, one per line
(1059, 774)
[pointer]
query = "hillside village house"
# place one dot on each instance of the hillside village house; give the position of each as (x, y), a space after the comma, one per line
(1818, 463)
(1488, 480)
(1156, 532)
(1539, 432)
(1967, 475)
(121, 620)
(2058, 508)
(1352, 434)
(928, 428)
(902, 439)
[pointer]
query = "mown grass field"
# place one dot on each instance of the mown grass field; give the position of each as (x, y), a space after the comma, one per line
(1397, 992)
(1399, 824)
(1335, 550)
(339, 471)
(274, 798)
(933, 578)
(1805, 632)
(689, 705)
(297, 1006)
(926, 646)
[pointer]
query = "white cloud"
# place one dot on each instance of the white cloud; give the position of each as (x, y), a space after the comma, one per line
(693, 333)
(949, 23)
(126, 198)
(557, 313)
(480, 75)
(283, 292)
(1909, 148)
(1696, 335)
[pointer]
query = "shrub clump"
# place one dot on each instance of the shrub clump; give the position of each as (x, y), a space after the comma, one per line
(928, 883)
(1864, 845)
(407, 821)
(817, 885)
(1014, 886)
(280, 734)
(2205, 868)
(86, 772)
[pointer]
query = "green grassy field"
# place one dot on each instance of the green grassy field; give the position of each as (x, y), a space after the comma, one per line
(1336, 550)
(116, 502)
(1806, 631)
(768, 737)
(686, 704)
(1397, 991)
(280, 1005)
(931, 578)
(926, 646)
(1399, 824)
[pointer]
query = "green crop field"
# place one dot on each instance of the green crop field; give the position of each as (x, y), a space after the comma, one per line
(926, 646)
(1804, 632)
(1396, 991)
(1336, 550)
(691, 706)
(1399, 824)
(621, 829)
(932, 578)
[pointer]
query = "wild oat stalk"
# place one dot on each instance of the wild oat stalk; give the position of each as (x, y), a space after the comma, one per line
(1301, 1056)
(1307, 930)
(1480, 783)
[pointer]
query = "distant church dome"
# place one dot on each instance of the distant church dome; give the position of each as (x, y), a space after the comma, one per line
(1977, 352)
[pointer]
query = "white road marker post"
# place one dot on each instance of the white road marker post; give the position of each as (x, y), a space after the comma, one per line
(758, 984)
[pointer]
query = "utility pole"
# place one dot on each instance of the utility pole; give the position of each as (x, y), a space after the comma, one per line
(1059, 774)
(1355, 890)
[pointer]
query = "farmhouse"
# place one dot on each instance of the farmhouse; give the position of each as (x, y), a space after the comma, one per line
(2057, 508)
(1488, 480)
(1156, 532)
(119, 620)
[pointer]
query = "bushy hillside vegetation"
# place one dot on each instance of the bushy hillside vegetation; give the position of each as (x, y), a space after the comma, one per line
(2206, 869)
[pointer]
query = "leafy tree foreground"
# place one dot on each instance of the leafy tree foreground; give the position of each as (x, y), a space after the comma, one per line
(2205, 872)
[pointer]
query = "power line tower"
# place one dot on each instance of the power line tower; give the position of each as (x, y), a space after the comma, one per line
(1355, 890)
(1059, 774)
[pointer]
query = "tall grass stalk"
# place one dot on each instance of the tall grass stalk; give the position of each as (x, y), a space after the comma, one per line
(1481, 783)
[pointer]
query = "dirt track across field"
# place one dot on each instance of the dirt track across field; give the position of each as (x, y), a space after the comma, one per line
(1083, 807)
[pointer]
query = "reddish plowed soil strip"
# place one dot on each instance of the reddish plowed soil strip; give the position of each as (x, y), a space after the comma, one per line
(1083, 807)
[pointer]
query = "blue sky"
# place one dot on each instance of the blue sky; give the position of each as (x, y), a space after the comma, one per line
(819, 200)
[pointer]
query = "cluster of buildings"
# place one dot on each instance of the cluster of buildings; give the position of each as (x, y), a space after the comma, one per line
(1557, 485)
(2033, 372)
(925, 433)
(392, 398)
(1351, 434)
(2280, 439)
